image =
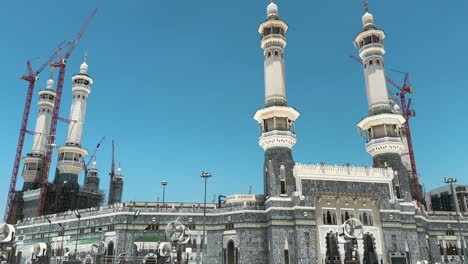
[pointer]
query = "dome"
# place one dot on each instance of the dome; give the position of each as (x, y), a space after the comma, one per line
(50, 84)
(396, 108)
(94, 164)
(367, 18)
(119, 171)
(84, 68)
(272, 8)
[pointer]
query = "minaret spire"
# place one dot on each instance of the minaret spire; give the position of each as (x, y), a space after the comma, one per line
(366, 6)
(276, 119)
(381, 128)
(71, 154)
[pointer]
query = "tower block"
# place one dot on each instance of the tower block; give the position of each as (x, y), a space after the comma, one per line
(71, 155)
(382, 127)
(276, 120)
(34, 160)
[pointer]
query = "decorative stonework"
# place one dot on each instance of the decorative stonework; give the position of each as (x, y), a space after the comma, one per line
(385, 145)
(277, 138)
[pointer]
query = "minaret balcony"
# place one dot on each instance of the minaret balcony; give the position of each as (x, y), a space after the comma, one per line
(70, 166)
(277, 139)
(384, 145)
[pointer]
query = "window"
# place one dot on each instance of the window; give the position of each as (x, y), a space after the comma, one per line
(365, 216)
(286, 256)
(269, 54)
(276, 53)
(61, 232)
(231, 252)
(93, 229)
(450, 233)
(110, 228)
(229, 226)
(283, 187)
(81, 230)
(394, 243)
(371, 62)
(152, 227)
(329, 216)
(346, 214)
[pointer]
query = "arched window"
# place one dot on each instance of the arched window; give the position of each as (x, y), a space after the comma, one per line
(371, 62)
(269, 54)
(276, 53)
(230, 253)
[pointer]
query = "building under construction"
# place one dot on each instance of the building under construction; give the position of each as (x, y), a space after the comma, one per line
(65, 192)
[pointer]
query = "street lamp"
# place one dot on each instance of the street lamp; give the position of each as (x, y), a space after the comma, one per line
(164, 183)
(77, 214)
(63, 237)
(451, 181)
(49, 245)
(204, 175)
(135, 216)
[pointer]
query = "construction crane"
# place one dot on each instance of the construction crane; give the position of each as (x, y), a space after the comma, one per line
(31, 78)
(86, 164)
(53, 128)
(111, 174)
(407, 114)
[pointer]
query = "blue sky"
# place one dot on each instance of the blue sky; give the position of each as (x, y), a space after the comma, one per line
(177, 84)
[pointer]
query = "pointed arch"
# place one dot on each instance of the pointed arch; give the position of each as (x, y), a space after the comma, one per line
(231, 258)
(370, 256)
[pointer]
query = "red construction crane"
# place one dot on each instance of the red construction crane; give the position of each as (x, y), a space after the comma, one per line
(86, 164)
(31, 78)
(110, 200)
(407, 114)
(53, 128)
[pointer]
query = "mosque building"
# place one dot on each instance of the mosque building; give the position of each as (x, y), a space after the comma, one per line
(307, 213)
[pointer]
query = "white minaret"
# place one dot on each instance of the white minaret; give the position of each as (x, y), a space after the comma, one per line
(273, 31)
(382, 126)
(71, 155)
(33, 162)
(276, 119)
(81, 88)
(371, 51)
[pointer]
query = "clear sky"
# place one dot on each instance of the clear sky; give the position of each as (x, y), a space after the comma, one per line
(177, 84)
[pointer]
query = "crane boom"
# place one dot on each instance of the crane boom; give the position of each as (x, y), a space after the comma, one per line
(55, 113)
(31, 78)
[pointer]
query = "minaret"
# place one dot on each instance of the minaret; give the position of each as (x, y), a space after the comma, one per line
(277, 119)
(117, 187)
(70, 160)
(33, 161)
(92, 179)
(382, 126)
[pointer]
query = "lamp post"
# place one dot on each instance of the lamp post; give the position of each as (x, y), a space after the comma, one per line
(204, 175)
(135, 216)
(164, 183)
(49, 245)
(77, 214)
(63, 237)
(450, 181)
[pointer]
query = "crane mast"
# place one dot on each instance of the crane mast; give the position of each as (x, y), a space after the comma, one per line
(31, 78)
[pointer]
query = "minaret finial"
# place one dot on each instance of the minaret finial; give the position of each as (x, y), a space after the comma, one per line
(366, 5)
(85, 56)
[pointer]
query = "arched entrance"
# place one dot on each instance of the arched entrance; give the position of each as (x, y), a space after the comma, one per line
(370, 257)
(230, 252)
(109, 253)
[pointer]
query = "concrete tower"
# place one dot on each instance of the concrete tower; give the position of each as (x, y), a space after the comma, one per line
(382, 126)
(92, 179)
(277, 119)
(70, 156)
(33, 161)
(117, 187)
